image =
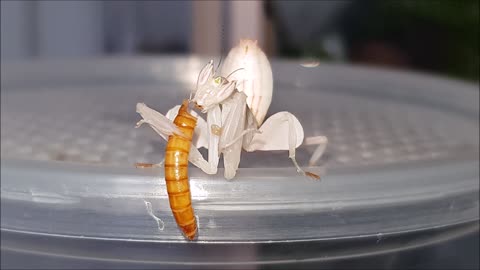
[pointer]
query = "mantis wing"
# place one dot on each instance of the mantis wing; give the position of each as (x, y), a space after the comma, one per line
(247, 64)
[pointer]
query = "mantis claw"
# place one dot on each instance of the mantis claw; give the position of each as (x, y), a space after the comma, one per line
(139, 123)
(312, 175)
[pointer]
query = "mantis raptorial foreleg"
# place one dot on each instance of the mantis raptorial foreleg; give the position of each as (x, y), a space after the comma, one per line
(200, 137)
(250, 128)
(203, 137)
(207, 133)
(214, 122)
(233, 125)
(160, 123)
(213, 131)
(164, 126)
(197, 159)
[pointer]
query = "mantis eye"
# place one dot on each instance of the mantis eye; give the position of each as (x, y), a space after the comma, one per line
(218, 80)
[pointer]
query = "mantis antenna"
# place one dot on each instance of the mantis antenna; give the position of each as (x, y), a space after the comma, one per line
(195, 89)
(231, 73)
(218, 66)
(222, 51)
(219, 63)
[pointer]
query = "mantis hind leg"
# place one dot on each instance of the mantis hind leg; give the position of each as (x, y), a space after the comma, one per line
(281, 131)
(321, 142)
(292, 137)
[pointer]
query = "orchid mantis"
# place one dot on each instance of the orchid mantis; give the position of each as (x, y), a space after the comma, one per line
(236, 103)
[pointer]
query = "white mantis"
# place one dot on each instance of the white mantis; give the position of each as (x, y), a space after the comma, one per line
(236, 103)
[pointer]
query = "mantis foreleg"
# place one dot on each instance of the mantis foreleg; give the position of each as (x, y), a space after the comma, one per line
(214, 122)
(233, 125)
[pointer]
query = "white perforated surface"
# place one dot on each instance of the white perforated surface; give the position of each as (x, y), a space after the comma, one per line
(88, 122)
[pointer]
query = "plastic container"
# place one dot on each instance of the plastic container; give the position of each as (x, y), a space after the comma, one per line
(400, 171)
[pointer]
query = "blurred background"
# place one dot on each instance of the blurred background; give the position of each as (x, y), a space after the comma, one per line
(432, 36)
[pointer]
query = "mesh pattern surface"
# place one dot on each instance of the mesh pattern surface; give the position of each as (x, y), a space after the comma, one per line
(95, 124)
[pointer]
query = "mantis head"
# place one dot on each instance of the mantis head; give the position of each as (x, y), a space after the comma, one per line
(211, 90)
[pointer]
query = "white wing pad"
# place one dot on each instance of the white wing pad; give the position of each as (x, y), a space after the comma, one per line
(247, 64)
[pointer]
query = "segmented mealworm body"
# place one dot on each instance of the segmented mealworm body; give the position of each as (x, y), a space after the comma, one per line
(176, 172)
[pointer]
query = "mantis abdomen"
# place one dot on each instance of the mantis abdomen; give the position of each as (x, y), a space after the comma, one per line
(176, 172)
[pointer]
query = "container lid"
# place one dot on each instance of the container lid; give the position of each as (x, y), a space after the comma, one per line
(402, 155)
